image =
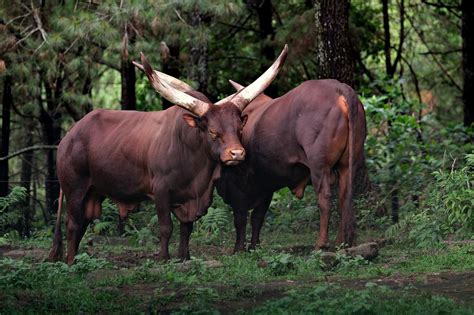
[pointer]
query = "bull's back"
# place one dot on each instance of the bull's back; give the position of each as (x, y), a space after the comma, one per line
(107, 150)
(310, 119)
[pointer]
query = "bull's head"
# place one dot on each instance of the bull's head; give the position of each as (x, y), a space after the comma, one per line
(221, 122)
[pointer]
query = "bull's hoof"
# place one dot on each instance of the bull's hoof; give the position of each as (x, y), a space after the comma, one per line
(239, 248)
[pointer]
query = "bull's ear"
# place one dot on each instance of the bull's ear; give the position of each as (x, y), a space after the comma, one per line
(244, 120)
(190, 120)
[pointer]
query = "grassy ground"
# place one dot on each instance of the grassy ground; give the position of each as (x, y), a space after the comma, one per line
(284, 276)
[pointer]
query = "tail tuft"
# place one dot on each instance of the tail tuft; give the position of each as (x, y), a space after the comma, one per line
(56, 253)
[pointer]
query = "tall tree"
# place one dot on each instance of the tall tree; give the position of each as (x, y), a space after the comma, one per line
(266, 34)
(170, 63)
(390, 69)
(199, 50)
(5, 137)
(334, 56)
(25, 178)
(127, 71)
(467, 34)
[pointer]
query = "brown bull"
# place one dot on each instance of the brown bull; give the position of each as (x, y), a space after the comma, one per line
(308, 135)
(172, 157)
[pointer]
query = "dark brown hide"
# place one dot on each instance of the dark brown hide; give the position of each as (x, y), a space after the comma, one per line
(309, 134)
(169, 157)
(172, 157)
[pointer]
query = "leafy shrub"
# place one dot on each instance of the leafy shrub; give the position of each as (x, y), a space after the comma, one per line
(11, 217)
(106, 224)
(216, 222)
(373, 299)
(280, 263)
(449, 210)
(453, 196)
(84, 263)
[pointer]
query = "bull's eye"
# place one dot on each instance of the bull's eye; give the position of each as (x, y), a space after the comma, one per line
(213, 134)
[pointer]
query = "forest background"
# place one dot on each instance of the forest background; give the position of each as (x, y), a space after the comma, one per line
(411, 61)
(412, 64)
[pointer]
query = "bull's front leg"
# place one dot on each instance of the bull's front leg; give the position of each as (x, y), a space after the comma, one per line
(240, 223)
(166, 229)
(258, 216)
(186, 228)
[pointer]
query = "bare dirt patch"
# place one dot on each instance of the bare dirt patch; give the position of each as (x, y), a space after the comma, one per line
(36, 254)
(456, 285)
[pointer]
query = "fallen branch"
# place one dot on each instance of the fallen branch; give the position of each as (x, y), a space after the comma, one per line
(28, 149)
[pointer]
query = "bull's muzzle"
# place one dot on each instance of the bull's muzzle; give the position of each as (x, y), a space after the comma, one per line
(234, 156)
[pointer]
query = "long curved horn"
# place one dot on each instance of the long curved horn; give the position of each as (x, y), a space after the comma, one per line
(237, 86)
(175, 83)
(173, 95)
(246, 95)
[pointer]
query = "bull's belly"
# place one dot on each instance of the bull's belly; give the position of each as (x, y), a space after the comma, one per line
(121, 189)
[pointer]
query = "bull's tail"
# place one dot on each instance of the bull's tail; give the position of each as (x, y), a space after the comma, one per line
(56, 252)
(348, 217)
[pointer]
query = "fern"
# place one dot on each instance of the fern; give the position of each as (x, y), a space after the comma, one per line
(102, 227)
(11, 217)
(214, 221)
(17, 195)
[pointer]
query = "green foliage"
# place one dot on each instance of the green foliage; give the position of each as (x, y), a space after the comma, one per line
(19, 274)
(453, 196)
(417, 228)
(216, 222)
(404, 151)
(9, 216)
(106, 224)
(280, 263)
(288, 213)
(449, 210)
(373, 299)
(17, 195)
(140, 236)
(83, 263)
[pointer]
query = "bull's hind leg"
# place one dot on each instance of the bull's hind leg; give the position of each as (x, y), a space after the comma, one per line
(81, 211)
(320, 178)
(258, 216)
(347, 223)
(76, 222)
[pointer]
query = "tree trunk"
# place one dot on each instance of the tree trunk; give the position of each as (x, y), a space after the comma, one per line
(51, 126)
(87, 90)
(5, 139)
(467, 34)
(334, 56)
(127, 71)
(199, 53)
(264, 11)
(390, 71)
(170, 64)
(26, 172)
(387, 47)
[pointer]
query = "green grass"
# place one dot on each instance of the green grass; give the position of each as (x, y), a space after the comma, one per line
(272, 279)
(372, 299)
